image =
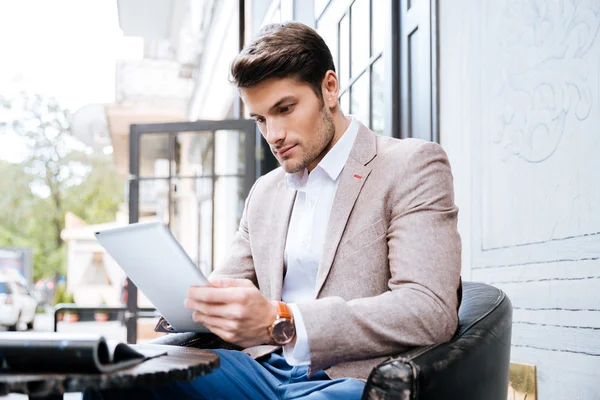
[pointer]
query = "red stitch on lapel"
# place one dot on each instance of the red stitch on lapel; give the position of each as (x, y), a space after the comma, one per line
(357, 176)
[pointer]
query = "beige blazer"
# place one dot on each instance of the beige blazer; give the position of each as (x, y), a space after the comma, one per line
(390, 268)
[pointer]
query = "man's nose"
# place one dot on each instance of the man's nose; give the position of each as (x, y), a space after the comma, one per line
(275, 132)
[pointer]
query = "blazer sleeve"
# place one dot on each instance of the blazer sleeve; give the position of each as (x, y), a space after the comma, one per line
(239, 263)
(424, 255)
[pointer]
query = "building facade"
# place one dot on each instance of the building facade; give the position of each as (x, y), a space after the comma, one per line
(510, 89)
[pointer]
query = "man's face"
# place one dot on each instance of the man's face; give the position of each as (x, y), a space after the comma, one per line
(290, 116)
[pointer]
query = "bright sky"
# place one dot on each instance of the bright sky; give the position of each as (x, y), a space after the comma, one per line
(62, 48)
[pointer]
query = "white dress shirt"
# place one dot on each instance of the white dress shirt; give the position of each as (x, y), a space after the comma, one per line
(306, 235)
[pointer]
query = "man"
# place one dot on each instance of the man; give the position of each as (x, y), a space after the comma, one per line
(346, 255)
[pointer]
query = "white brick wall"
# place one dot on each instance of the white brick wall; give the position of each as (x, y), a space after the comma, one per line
(520, 118)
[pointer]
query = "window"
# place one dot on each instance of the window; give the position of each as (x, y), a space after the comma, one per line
(386, 59)
(418, 69)
(355, 33)
(280, 11)
(320, 6)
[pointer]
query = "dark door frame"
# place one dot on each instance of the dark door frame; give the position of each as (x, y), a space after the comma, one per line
(252, 169)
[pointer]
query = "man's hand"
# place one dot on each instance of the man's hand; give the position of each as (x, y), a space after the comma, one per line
(234, 310)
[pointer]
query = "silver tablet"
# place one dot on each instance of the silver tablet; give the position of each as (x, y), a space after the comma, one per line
(157, 264)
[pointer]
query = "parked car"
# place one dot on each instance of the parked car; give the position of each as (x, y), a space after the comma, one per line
(17, 305)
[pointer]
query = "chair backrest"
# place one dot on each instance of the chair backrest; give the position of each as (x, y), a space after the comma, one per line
(479, 300)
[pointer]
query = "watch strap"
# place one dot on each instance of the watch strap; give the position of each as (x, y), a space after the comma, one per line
(283, 310)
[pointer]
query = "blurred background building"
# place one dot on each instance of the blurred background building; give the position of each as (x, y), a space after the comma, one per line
(511, 90)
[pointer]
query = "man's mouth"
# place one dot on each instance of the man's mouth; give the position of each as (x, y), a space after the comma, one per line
(285, 150)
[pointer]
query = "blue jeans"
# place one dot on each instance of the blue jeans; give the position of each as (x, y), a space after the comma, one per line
(241, 377)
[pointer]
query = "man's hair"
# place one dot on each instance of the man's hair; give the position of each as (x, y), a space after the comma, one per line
(286, 50)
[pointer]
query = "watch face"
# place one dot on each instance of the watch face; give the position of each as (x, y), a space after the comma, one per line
(283, 331)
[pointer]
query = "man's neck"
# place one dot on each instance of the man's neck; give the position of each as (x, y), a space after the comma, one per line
(341, 123)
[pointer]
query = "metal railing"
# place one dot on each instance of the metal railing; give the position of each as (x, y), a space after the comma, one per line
(144, 312)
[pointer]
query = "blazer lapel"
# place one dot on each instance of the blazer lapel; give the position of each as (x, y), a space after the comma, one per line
(352, 179)
(282, 211)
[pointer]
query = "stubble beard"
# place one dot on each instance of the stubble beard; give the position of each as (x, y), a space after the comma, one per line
(323, 138)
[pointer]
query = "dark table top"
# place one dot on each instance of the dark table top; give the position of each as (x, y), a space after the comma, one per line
(180, 364)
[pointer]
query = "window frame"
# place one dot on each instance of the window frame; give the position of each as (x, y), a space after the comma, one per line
(368, 68)
(410, 16)
(390, 91)
(397, 114)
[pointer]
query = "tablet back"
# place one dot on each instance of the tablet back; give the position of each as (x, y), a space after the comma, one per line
(158, 265)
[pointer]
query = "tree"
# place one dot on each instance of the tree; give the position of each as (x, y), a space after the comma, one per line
(98, 197)
(59, 174)
(17, 205)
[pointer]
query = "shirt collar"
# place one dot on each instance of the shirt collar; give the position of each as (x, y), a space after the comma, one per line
(333, 162)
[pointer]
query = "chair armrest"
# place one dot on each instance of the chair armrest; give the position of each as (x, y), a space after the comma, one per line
(197, 340)
(189, 339)
(185, 339)
(473, 365)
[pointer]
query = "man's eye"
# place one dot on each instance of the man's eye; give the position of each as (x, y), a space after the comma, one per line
(260, 120)
(285, 109)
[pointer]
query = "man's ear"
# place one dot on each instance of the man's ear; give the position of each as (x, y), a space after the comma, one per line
(330, 89)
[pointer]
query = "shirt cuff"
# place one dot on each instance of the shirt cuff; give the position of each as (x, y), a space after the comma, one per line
(298, 353)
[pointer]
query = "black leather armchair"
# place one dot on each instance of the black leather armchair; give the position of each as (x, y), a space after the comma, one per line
(473, 365)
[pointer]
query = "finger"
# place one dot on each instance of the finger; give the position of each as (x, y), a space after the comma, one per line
(222, 282)
(214, 321)
(222, 333)
(228, 311)
(218, 295)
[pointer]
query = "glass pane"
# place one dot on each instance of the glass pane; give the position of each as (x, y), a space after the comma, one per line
(329, 33)
(154, 154)
(229, 204)
(345, 103)
(359, 99)
(205, 224)
(189, 196)
(193, 153)
(287, 10)
(381, 15)
(378, 93)
(335, 11)
(153, 206)
(154, 200)
(320, 6)
(344, 50)
(191, 218)
(276, 16)
(360, 35)
(230, 152)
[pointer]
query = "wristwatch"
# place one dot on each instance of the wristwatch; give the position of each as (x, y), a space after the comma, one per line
(282, 330)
